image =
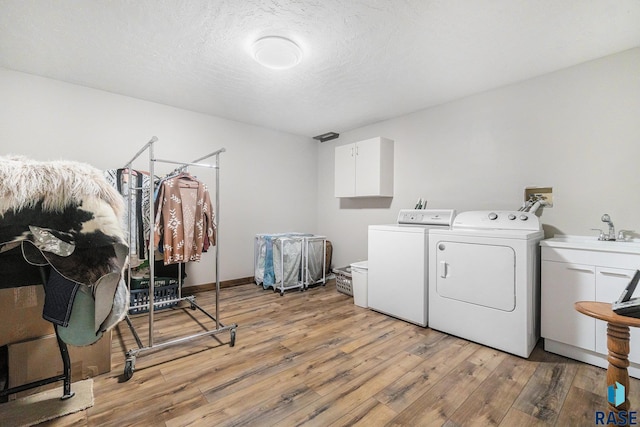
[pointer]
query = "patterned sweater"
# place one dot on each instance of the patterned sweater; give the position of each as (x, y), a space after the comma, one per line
(185, 222)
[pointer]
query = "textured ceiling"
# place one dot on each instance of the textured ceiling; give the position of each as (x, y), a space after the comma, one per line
(364, 60)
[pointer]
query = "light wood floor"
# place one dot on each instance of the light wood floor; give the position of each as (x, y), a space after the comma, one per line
(314, 358)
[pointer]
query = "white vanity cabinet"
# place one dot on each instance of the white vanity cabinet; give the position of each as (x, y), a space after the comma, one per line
(584, 269)
(611, 282)
(364, 168)
(562, 284)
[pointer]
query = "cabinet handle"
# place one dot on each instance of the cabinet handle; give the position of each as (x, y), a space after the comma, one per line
(352, 152)
(356, 150)
(611, 273)
(584, 270)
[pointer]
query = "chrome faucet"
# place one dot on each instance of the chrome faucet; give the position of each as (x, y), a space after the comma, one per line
(612, 230)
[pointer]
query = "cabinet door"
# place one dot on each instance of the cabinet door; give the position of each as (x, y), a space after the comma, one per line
(345, 171)
(562, 284)
(610, 282)
(368, 167)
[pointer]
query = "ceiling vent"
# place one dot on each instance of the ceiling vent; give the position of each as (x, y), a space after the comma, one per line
(327, 136)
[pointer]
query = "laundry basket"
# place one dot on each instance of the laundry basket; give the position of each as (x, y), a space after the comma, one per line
(343, 280)
(168, 293)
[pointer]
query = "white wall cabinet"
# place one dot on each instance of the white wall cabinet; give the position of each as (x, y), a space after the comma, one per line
(584, 271)
(364, 169)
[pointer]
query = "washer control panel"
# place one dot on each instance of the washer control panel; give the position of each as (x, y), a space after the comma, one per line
(426, 216)
(503, 220)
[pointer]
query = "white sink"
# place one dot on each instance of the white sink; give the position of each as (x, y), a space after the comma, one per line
(631, 246)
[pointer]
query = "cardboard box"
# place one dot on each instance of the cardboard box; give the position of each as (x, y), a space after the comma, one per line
(39, 358)
(21, 314)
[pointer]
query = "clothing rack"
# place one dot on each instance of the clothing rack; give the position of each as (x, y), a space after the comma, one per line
(131, 355)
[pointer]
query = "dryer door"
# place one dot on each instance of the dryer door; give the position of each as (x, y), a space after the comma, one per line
(478, 274)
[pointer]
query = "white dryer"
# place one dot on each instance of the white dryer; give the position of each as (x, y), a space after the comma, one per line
(398, 263)
(484, 282)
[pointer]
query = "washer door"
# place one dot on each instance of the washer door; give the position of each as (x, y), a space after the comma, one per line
(478, 274)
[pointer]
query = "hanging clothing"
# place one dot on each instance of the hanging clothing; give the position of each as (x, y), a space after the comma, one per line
(139, 227)
(185, 221)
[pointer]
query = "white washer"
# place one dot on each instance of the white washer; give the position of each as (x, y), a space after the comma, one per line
(484, 279)
(398, 263)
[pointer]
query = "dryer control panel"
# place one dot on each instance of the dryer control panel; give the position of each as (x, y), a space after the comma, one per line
(502, 220)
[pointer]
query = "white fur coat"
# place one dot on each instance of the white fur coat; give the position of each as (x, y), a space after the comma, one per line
(57, 184)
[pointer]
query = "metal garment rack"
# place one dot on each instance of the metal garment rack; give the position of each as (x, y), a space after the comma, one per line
(131, 355)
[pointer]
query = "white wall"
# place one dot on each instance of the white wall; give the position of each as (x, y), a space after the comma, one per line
(577, 130)
(268, 178)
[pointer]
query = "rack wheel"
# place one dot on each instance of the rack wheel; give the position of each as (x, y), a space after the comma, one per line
(128, 369)
(281, 293)
(232, 342)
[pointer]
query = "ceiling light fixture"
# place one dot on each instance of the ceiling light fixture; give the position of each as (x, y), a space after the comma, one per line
(275, 52)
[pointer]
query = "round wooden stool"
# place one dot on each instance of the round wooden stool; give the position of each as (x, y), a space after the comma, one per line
(617, 344)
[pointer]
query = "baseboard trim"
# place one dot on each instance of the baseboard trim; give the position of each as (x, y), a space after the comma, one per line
(212, 286)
